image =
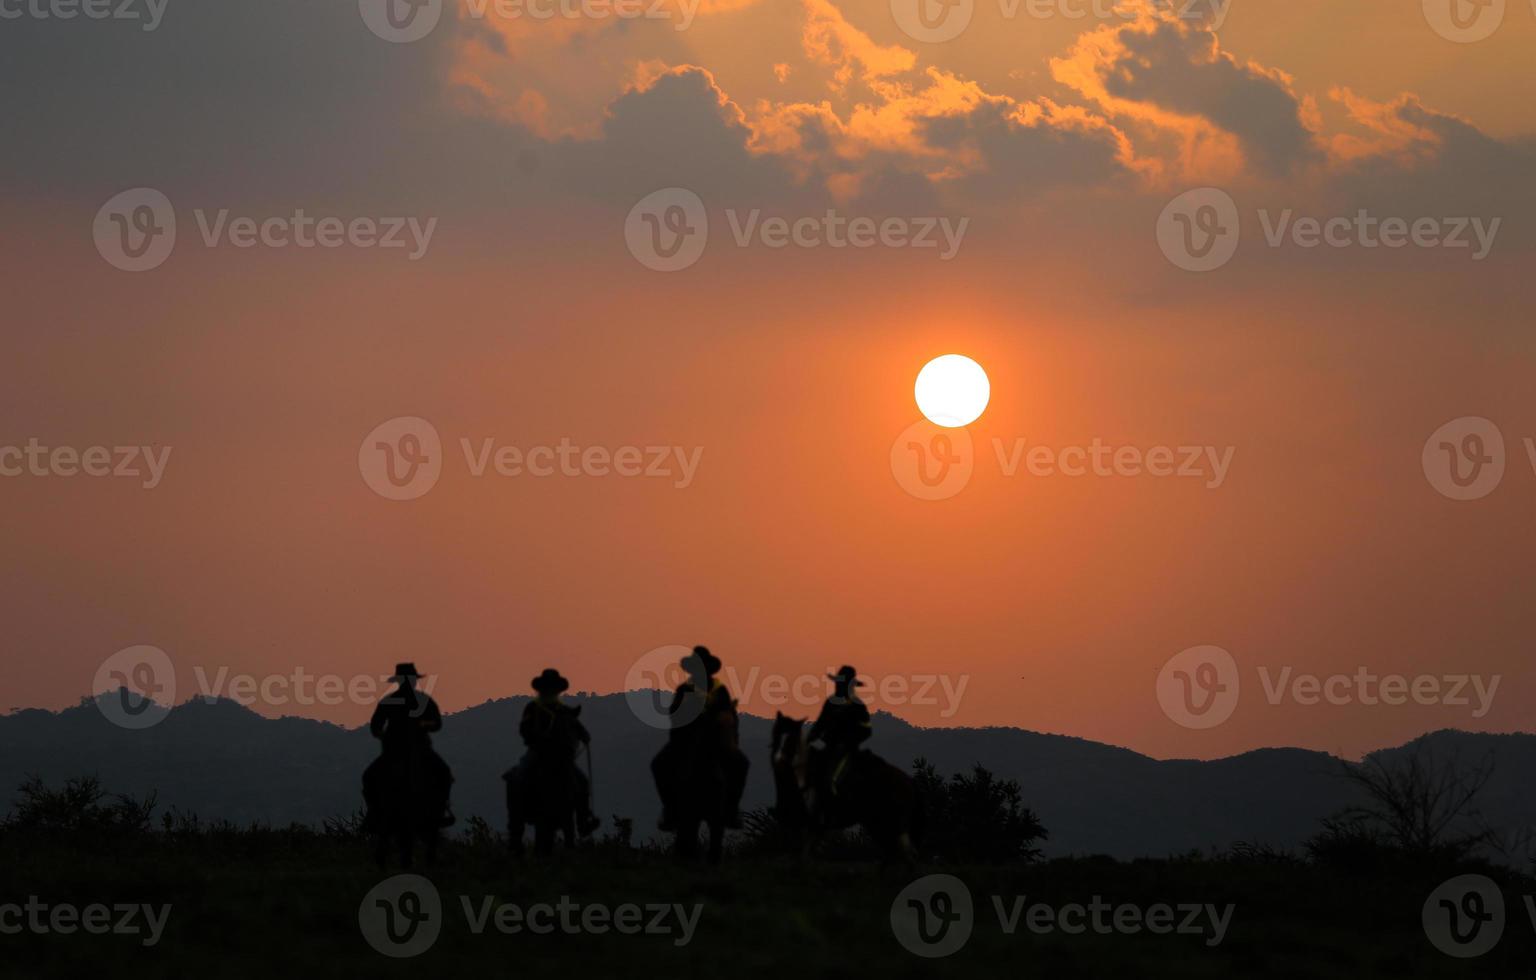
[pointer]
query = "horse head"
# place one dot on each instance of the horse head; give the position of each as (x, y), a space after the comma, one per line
(787, 743)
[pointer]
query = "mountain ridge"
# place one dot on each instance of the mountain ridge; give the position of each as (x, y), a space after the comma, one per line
(223, 761)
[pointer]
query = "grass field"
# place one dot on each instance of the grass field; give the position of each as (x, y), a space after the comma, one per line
(270, 902)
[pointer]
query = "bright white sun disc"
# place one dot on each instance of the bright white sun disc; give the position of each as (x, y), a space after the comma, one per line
(952, 390)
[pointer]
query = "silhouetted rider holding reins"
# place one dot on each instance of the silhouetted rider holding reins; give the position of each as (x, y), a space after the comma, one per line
(842, 726)
(403, 722)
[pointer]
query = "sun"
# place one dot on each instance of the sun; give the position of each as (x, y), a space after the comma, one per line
(952, 390)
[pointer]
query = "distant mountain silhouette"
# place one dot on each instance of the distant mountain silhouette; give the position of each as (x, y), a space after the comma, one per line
(223, 761)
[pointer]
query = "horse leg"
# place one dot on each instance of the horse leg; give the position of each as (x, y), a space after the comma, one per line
(687, 838)
(543, 837)
(515, 822)
(716, 841)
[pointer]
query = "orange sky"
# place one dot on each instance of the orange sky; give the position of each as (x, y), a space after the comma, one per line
(1054, 600)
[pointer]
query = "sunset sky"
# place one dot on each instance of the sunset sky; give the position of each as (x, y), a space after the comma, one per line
(794, 547)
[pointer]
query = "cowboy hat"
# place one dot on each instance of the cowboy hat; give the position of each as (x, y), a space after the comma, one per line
(403, 671)
(701, 657)
(847, 675)
(550, 682)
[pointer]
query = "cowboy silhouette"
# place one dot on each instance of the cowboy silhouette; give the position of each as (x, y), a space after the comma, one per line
(403, 722)
(701, 707)
(551, 730)
(842, 726)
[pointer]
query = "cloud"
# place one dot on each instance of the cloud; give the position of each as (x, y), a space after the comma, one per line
(1171, 75)
(674, 129)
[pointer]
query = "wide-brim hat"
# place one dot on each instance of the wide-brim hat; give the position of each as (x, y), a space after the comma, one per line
(701, 657)
(550, 682)
(847, 675)
(403, 671)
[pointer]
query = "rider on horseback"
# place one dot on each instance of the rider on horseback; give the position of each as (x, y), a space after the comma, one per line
(550, 729)
(842, 727)
(403, 722)
(712, 707)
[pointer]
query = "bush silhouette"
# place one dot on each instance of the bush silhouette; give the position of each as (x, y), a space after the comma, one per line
(976, 817)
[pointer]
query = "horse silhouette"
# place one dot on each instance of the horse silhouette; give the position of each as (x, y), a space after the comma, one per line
(542, 793)
(406, 788)
(410, 805)
(545, 789)
(872, 794)
(697, 768)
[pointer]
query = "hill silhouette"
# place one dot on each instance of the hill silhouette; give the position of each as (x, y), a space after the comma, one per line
(223, 761)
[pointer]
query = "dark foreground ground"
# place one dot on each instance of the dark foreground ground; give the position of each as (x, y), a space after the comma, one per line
(276, 903)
